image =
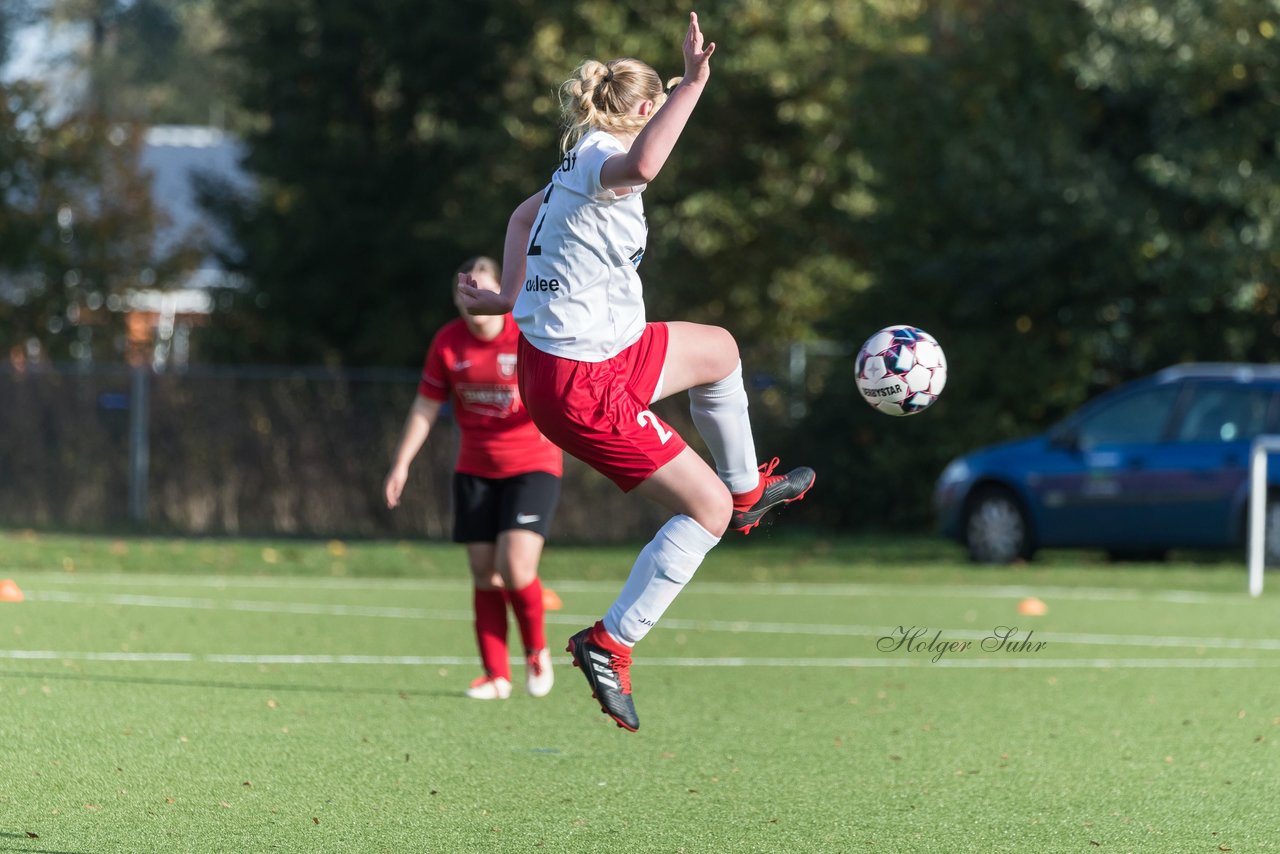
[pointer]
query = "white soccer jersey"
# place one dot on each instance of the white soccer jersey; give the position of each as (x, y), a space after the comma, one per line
(581, 298)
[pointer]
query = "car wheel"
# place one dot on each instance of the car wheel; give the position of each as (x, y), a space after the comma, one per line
(996, 528)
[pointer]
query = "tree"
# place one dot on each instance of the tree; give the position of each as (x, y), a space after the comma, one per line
(1065, 194)
(382, 158)
(79, 224)
(77, 232)
(1068, 196)
(150, 61)
(13, 16)
(390, 147)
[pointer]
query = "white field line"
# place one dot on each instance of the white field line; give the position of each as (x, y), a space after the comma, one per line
(732, 626)
(848, 663)
(204, 604)
(977, 591)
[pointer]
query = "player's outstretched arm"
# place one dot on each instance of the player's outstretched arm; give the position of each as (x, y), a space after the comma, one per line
(655, 142)
(479, 301)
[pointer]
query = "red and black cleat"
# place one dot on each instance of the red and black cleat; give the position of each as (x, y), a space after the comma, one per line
(773, 491)
(607, 666)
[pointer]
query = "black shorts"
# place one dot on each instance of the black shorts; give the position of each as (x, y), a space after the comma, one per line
(484, 507)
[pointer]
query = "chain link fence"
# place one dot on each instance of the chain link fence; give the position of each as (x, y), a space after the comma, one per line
(263, 452)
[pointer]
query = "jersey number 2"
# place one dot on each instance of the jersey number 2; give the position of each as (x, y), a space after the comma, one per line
(534, 248)
(648, 419)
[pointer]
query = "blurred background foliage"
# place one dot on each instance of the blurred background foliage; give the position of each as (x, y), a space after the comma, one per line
(1068, 195)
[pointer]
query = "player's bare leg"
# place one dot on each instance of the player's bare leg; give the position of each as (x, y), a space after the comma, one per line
(705, 361)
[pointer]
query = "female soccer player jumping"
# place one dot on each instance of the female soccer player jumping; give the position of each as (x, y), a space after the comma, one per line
(591, 366)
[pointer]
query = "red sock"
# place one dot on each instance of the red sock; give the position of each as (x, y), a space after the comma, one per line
(527, 605)
(747, 500)
(491, 632)
(600, 637)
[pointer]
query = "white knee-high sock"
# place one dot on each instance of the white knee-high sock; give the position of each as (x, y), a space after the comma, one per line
(660, 572)
(719, 411)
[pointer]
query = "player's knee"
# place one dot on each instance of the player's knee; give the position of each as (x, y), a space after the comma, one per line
(725, 353)
(493, 583)
(486, 578)
(519, 574)
(715, 509)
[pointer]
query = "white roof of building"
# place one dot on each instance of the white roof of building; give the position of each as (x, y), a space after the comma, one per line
(175, 155)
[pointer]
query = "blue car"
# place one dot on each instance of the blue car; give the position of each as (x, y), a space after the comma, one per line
(1157, 464)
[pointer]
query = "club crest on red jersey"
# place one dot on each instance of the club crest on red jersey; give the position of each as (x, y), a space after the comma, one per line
(507, 364)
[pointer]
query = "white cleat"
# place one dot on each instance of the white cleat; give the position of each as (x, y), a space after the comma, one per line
(539, 677)
(486, 688)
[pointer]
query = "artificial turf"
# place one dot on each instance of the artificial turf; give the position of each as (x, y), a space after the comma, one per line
(213, 695)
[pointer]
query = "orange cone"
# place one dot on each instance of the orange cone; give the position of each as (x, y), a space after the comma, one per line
(551, 601)
(1032, 607)
(9, 591)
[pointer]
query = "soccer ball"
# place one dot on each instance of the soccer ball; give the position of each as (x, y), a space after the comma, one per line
(901, 370)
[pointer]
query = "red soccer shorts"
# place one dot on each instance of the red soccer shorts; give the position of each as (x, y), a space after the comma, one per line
(599, 411)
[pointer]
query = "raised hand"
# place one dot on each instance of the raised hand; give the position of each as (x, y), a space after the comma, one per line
(697, 66)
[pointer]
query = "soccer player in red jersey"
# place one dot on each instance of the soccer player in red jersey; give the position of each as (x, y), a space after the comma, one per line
(591, 365)
(506, 482)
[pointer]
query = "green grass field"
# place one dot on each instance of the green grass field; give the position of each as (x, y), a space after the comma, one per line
(245, 696)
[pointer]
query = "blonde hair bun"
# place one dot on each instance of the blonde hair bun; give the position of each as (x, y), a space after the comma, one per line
(601, 96)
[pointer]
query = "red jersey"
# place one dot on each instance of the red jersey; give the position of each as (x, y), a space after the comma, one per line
(479, 378)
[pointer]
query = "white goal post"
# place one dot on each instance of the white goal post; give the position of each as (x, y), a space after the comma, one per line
(1258, 509)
